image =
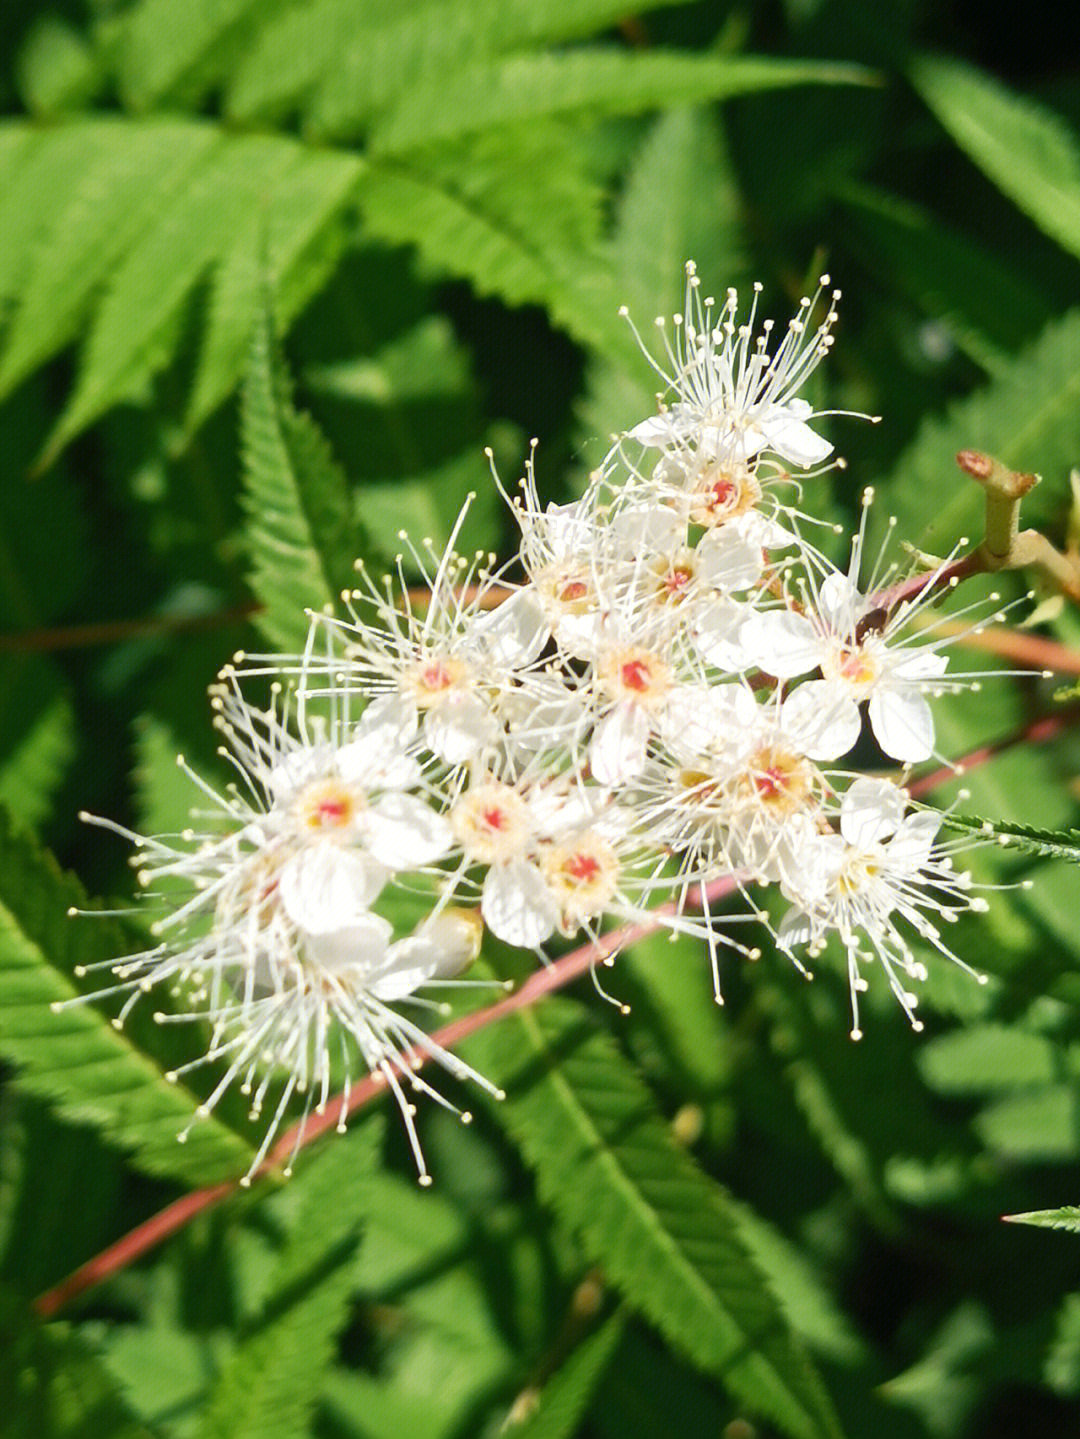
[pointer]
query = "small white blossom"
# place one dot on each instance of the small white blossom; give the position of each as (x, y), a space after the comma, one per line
(733, 399)
(882, 866)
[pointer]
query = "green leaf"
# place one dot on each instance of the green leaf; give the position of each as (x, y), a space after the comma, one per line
(130, 174)
(301, 531)
(1057, 844)
(163, 40)
(37, 736)
(1026, 150)
(989, 1057)
(606, 1163)
(270, 1385)
(514, 214)
(75, 1059)
(681, 202)
(1029, 417)
(1068, 1217)
(53, 1385)
(36, 170)
(987, 308)
(353, 56)
(126, 220)
(1033, 1126)
(565, 1398)
(506, 91)
(292, 245)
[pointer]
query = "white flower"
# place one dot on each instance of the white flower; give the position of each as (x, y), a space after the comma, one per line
(882, 866)
(277, 943)
(865, 654)
(733, 399)
(444, 661)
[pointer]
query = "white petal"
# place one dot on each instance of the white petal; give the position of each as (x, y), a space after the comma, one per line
(439, 948)
(648, 528)
(568, 529)
(306, 762)
(902, 723)
(911, 845)
(723, 717)
(840, 603)
(795, 928)
(656, 432)
(458, 728)
(362, 944)
(870, 811)
(617, 748)
(729, 559)
(405, 833)
(376, 756)
(724, 636)
(822, 719)
(326, 887)
(517, 905)
(764, 530)
(922, 663)
(792, 439)
(543, 713)
(787, 643)
(512, 635)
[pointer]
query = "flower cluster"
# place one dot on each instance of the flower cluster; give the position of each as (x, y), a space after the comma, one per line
(654, 703)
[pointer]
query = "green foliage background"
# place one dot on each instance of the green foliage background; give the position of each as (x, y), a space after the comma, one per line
(272, 273)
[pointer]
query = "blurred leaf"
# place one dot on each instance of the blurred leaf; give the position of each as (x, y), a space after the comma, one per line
(1029, 417)
(668, 987)
(659, 1228)
(350, 57)
(75, 1059)
(491, 93)
(269, 1387)
(163, 40)
(301, 532)
(989, 1057)
(164, 793)
(1026, 150)
(1062, 1366)
(680, 203)
(646, 1392)
(66, 1193)
(799, 1286)
(940, 1386)
(56, 68)
(37, 736)
(1034, 1125)
(987, 308)
(565, 1398)
(53, 1385)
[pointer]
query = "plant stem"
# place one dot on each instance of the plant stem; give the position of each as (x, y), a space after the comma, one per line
(1033, 732)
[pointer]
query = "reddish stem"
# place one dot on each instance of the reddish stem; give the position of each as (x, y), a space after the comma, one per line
(151, 1232)
(1034, 732)
(71, 637)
